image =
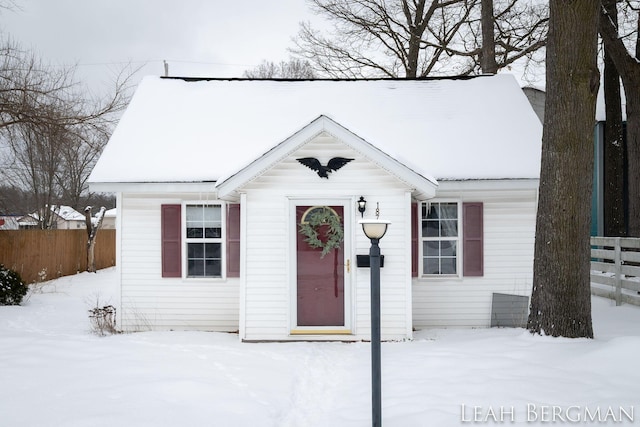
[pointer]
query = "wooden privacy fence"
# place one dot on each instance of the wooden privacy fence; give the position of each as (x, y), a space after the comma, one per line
(615, 268)
(39, 255)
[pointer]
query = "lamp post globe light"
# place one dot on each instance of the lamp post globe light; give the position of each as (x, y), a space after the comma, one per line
(375, 229)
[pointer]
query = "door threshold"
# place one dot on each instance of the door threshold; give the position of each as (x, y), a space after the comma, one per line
(320, 332)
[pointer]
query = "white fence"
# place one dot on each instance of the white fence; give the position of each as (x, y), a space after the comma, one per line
(615, 268)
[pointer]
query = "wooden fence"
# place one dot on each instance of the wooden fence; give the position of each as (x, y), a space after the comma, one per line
(39, 255)
(615, 268)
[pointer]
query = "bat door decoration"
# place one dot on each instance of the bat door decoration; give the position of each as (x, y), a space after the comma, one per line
(323, 171)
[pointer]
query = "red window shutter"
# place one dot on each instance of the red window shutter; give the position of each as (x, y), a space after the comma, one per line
(473, 245)
(233, 240)
(171, 240)
(415, 215)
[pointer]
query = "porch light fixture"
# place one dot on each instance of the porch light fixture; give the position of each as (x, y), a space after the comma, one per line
(362, 206)
(375, 229)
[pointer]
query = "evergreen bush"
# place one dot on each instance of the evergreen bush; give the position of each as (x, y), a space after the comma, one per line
(12, 288)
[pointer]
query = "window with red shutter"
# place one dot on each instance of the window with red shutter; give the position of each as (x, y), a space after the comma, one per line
(171, 240)
(442, 230)
(202, 238)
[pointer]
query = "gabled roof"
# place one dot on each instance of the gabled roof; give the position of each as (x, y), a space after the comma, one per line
(424, 185)
(201, 131)
(66, 213)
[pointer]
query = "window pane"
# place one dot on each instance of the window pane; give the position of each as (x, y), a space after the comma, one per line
(430, 228)
(212, 214)
(448, 210)
(431, 266)
(194, 233)
(195, 250)
(195, 268)
(194, 213)
(212, 217)
(213, 268)
(433, 211)
(449, 228)
(448, 248)
(447, 266)
(213, 232)
(431, 249)
(212, 250)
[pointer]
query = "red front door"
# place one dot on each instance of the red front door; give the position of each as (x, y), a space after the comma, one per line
(320, 280)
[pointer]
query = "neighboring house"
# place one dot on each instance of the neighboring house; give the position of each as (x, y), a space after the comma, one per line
(109, 219)
(64, 218)
(9, 222)
(536, 99)
(214, 203)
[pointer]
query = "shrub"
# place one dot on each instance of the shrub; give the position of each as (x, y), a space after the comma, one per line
(12, 288)
(103, 320)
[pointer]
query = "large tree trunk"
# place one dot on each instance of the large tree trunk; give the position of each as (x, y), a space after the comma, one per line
(488, 56)
(614, 147)
(561, 297)
(632, 90)
(629, 68)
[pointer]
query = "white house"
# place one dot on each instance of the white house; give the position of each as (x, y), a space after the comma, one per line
(108, 219)
(63, 218)
(215, 203)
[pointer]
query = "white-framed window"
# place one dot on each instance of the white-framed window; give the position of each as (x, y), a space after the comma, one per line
(204, 240)
(440, 236)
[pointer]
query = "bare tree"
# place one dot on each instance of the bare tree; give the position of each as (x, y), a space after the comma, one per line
(31, 89)
(561, 295)
(519, 30)
(92, 234)
(614, 144)
(79, 154)
(36, 161)
(418, 38)
(293, 69)
(622, 44)
(51, 132)
(14, 200)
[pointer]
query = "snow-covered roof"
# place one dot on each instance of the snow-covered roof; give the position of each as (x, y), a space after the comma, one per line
(67, 213)
(177, 130)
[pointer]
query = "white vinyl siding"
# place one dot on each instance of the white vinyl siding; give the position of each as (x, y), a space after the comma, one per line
(509, 232)
(269, 288)
(150, 302)
(259, 303)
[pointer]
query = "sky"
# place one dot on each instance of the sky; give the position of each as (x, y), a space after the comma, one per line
(197, 38)
(212, 38)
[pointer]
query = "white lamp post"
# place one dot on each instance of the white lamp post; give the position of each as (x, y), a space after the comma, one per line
(375, 229)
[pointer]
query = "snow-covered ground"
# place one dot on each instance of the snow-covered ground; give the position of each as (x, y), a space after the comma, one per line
(54, 372)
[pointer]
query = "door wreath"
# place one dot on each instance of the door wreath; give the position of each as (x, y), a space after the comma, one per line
(310, 226)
